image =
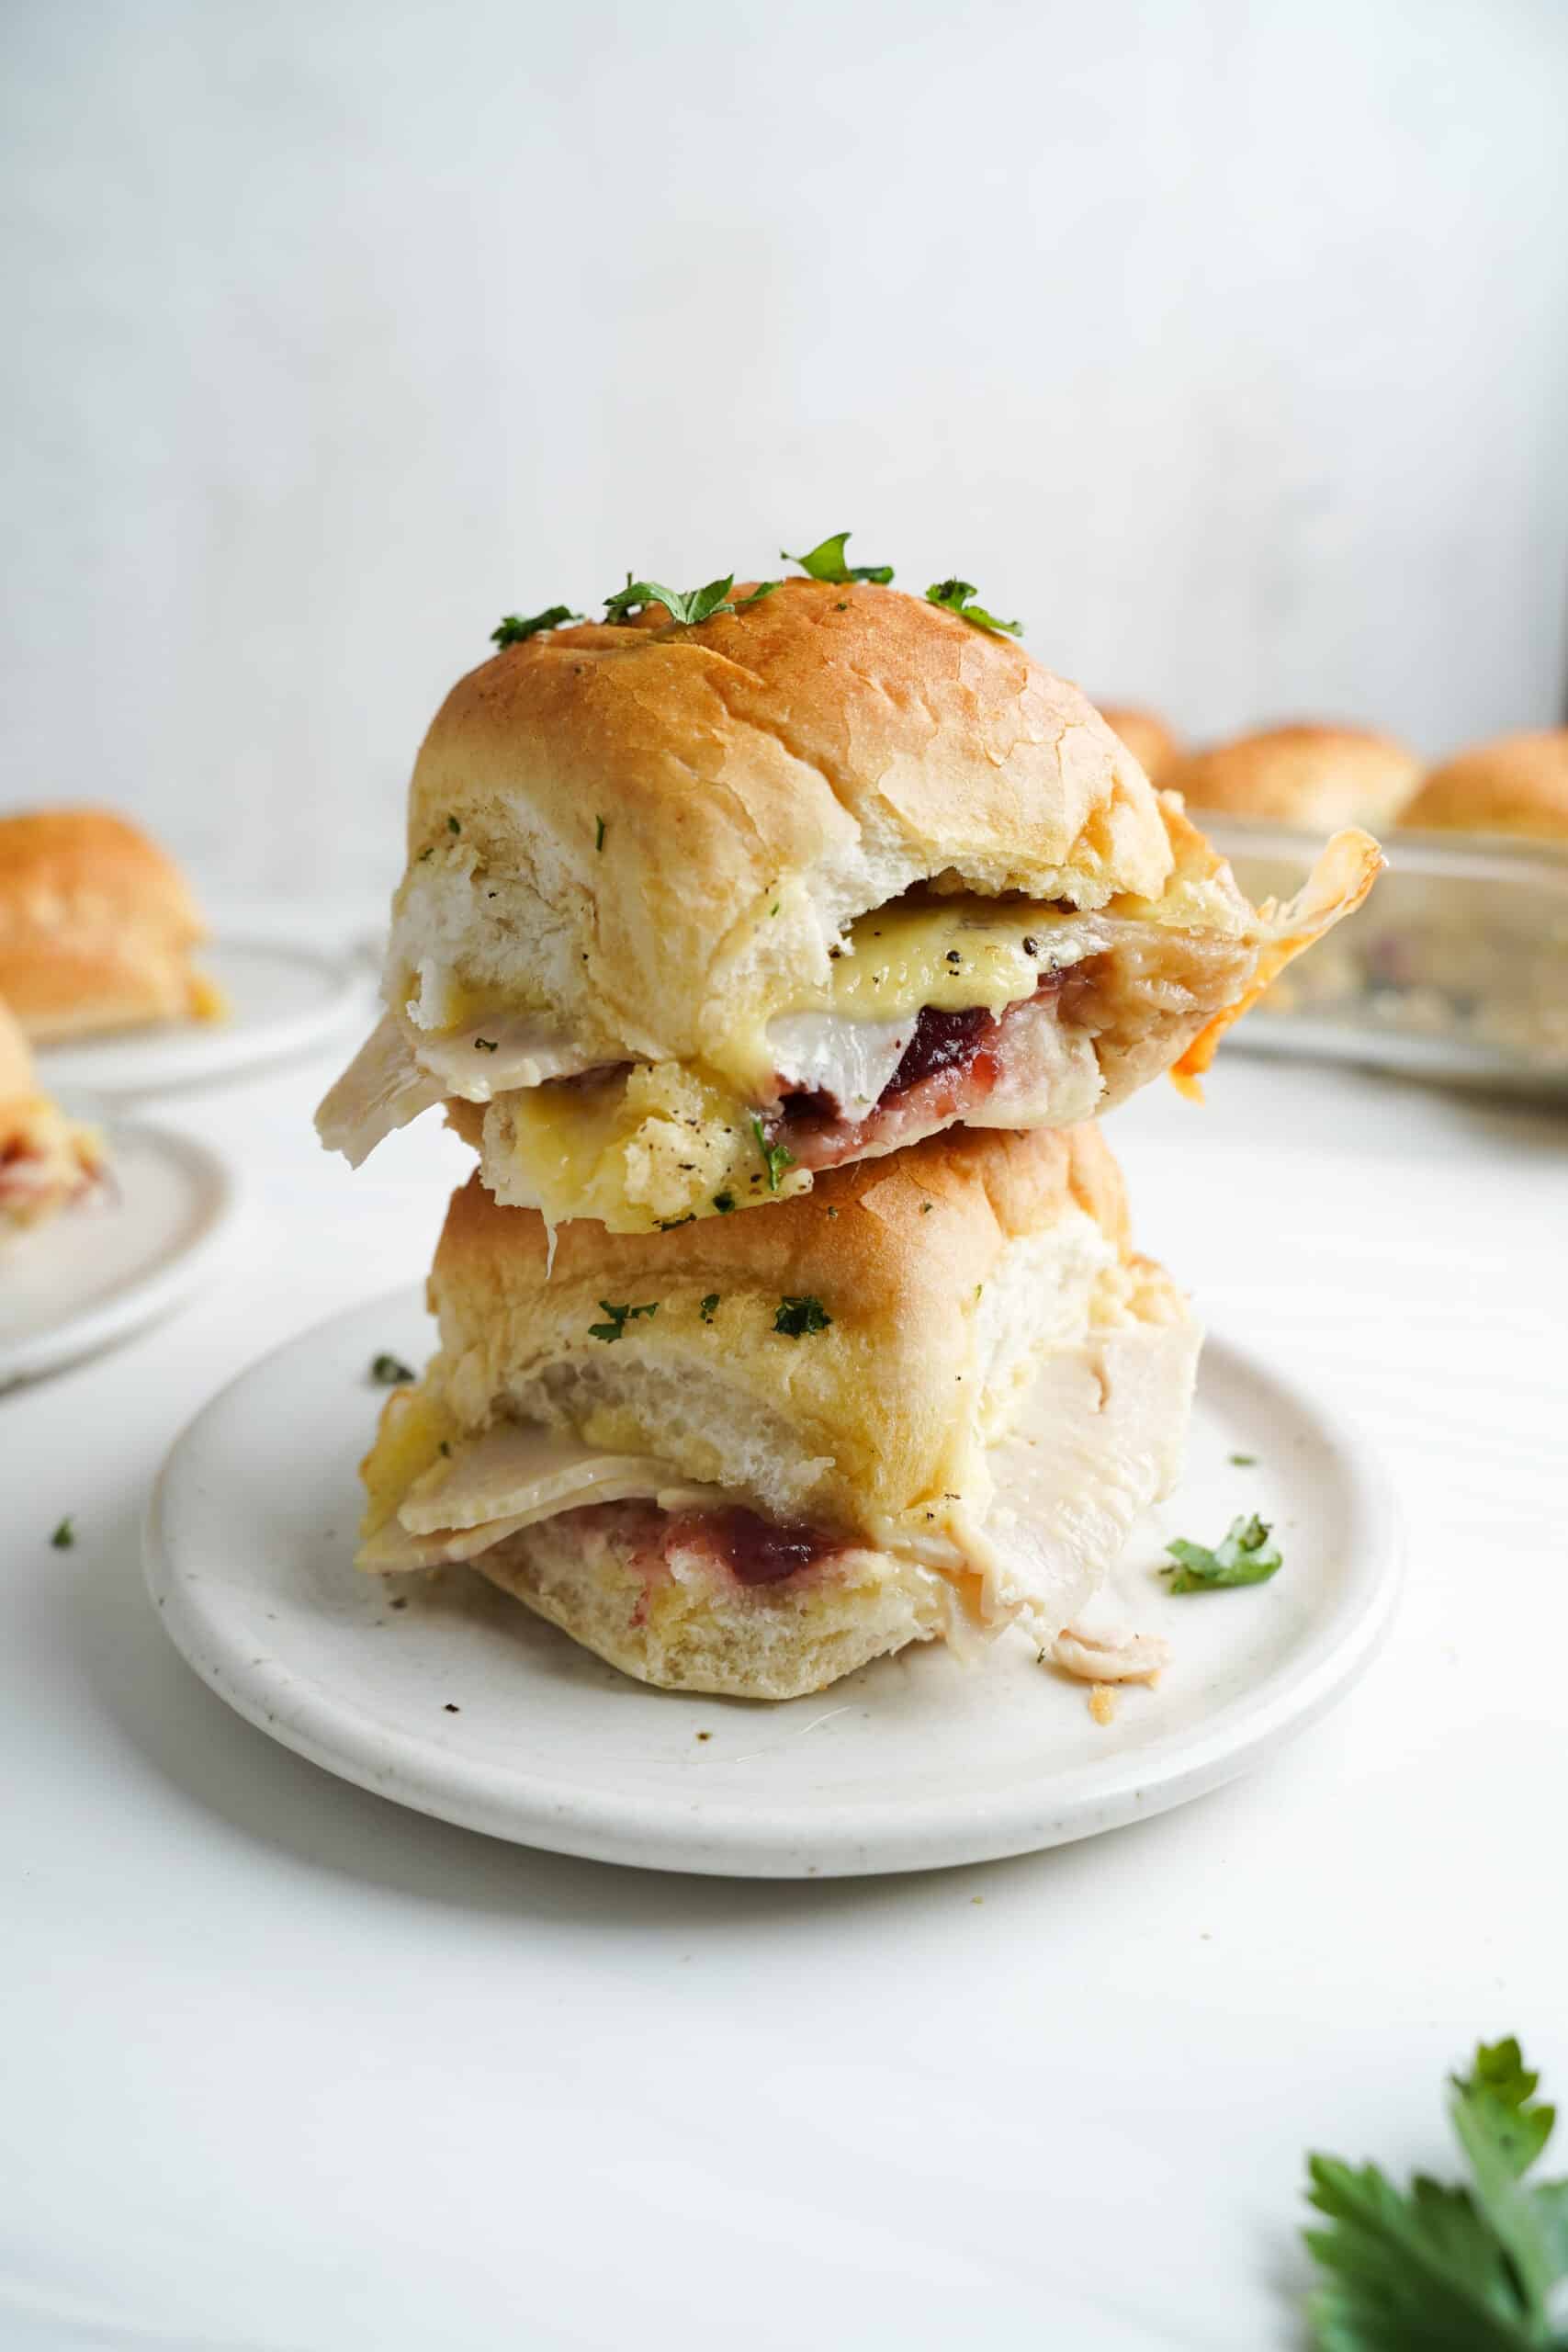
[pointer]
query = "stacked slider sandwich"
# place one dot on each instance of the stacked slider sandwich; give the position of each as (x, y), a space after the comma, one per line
(774, 949)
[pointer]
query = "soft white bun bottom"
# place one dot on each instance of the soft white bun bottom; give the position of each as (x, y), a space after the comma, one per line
(777, 1641)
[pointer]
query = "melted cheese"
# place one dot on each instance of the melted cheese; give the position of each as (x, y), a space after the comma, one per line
(953, 954)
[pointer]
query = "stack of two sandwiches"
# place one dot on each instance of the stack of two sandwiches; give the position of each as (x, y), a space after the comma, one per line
(777, 967)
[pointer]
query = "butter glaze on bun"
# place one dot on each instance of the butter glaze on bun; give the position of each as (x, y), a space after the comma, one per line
(97, 926)
(1307, 775)
(1517, 785)
(692, 914)
(852, 1373)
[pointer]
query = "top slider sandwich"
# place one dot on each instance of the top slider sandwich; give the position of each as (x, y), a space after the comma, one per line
(696, 909)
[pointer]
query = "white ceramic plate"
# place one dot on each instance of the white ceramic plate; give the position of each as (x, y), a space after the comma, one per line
(283, 1001)
(96, 1272)
(463, 1704)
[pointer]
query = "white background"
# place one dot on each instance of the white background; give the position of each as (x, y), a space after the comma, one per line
(1225, 343)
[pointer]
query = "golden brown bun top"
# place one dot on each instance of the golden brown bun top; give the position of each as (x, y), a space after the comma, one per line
(1517, 785)
(637, 825)
(1307, 775)
(885, 1238)
(60, 865)
(1147, 736)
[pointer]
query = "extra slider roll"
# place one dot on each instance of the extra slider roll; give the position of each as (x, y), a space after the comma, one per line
(96, 927)
(693, 913)
(927, 1399)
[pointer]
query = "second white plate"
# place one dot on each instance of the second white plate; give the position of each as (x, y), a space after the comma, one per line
(461, 1703)
(96, 1272)
(283, 999)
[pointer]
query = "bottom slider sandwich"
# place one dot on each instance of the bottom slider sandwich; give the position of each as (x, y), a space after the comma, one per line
(927, 1399)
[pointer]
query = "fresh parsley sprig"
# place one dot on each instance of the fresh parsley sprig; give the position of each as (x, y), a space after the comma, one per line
(826, 562)
(799, 1316)
(1478, 2268)
(958, 596)
(1245, 1556)
(619, 1318)
(776, 1156)
(390, 1372)
(696, 605)
(515, 630)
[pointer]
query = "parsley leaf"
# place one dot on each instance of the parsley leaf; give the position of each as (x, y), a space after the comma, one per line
(513, 630)
(776, 1156)
(706, 1305)
(619, 1318)
(1476, 2268)
(1245, 1556)
(958, 596)
(64, 1535)
(696, 605)
(598, 832)
(797, 1315)
(826, 562)
(387, 1372)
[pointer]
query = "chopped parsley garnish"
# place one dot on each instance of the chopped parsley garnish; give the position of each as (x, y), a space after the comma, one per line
(1244, 1461)
(799, 1316)
(724, 1203)
(599, 832)
(696, 605)
(1245, 1556)
(429, 850)
(1484, 2265)
(958, 596)
(388, 1372)
(619, 1318)
(706, 1306)
(776, 1156)
(513, 630)
(826, 562)
(64, 1535)
(486, 1045)
(444, 1450)
(453, 826)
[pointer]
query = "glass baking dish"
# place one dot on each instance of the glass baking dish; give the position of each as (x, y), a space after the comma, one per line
(1456, 968)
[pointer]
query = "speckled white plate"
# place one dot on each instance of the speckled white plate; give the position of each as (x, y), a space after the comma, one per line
(283, 999)
(102, 1270)
(461, 1703)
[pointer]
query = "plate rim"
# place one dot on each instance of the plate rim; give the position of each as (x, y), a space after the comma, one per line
(199, 1045)
(748, 1838)
(143, 1299)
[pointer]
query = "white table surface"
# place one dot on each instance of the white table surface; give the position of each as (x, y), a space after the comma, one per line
(285, 2067)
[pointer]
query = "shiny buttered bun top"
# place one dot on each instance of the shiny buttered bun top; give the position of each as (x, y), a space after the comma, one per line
(1315, 777)
(97, 926)
(1518, 785)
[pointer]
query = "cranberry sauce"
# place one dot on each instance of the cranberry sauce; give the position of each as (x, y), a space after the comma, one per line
(757, 1551)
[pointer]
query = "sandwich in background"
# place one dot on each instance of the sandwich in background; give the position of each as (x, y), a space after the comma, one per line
(1517, 785)
(1151, 742)
(1314, 777)
(47, 1161)
(96, 927)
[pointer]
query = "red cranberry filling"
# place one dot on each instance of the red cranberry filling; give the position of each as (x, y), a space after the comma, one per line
(755, 1549)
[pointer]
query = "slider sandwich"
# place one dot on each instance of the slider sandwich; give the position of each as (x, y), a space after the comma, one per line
(696, 910)
(1310, 776)
(1518, 785)
(47, 1161)
(927, 1399)
(96, 927)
